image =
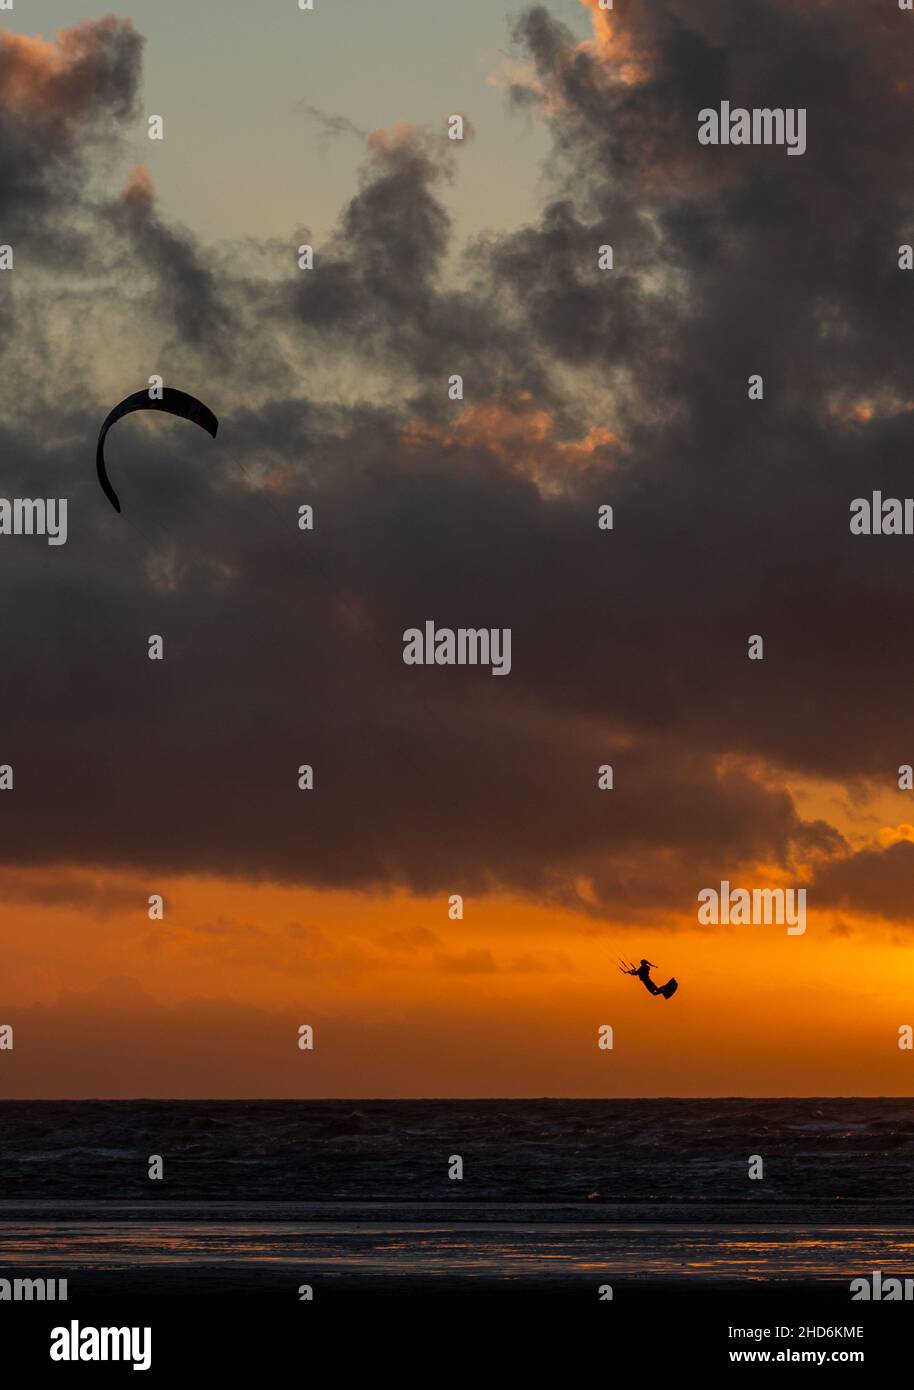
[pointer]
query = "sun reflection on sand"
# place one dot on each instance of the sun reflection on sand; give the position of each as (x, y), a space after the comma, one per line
(640, 1253)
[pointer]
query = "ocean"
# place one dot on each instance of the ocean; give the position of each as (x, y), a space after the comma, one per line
(348, 1196)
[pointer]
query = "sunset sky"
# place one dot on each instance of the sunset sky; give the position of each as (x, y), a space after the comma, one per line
(283, 647)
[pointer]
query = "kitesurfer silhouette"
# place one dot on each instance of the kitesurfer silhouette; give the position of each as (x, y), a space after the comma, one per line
(643, 973)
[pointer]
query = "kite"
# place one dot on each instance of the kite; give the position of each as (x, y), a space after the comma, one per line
(172, 401)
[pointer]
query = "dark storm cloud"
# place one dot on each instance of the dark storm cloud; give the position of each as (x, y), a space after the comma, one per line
(877, 880)
(582, 388)
(184, 287)
(767, 264)
(101, 897)
(58, 104)
(380, 284)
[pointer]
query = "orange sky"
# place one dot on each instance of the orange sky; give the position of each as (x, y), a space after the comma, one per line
(406, 1002)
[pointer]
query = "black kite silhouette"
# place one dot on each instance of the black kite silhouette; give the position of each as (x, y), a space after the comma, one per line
(173, 402)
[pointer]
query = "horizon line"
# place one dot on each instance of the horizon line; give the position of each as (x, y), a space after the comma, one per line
(384, 1100)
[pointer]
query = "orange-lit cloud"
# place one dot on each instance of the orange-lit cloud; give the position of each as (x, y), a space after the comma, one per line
(520, 434)
(620, 53)
(862, 412)
(615, 45)
(139, 186)
(407, 142)
(59, 81)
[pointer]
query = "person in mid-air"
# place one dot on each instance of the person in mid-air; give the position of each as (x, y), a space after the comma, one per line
(643, 973)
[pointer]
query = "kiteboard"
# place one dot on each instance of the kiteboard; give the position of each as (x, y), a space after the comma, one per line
(669, 989)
